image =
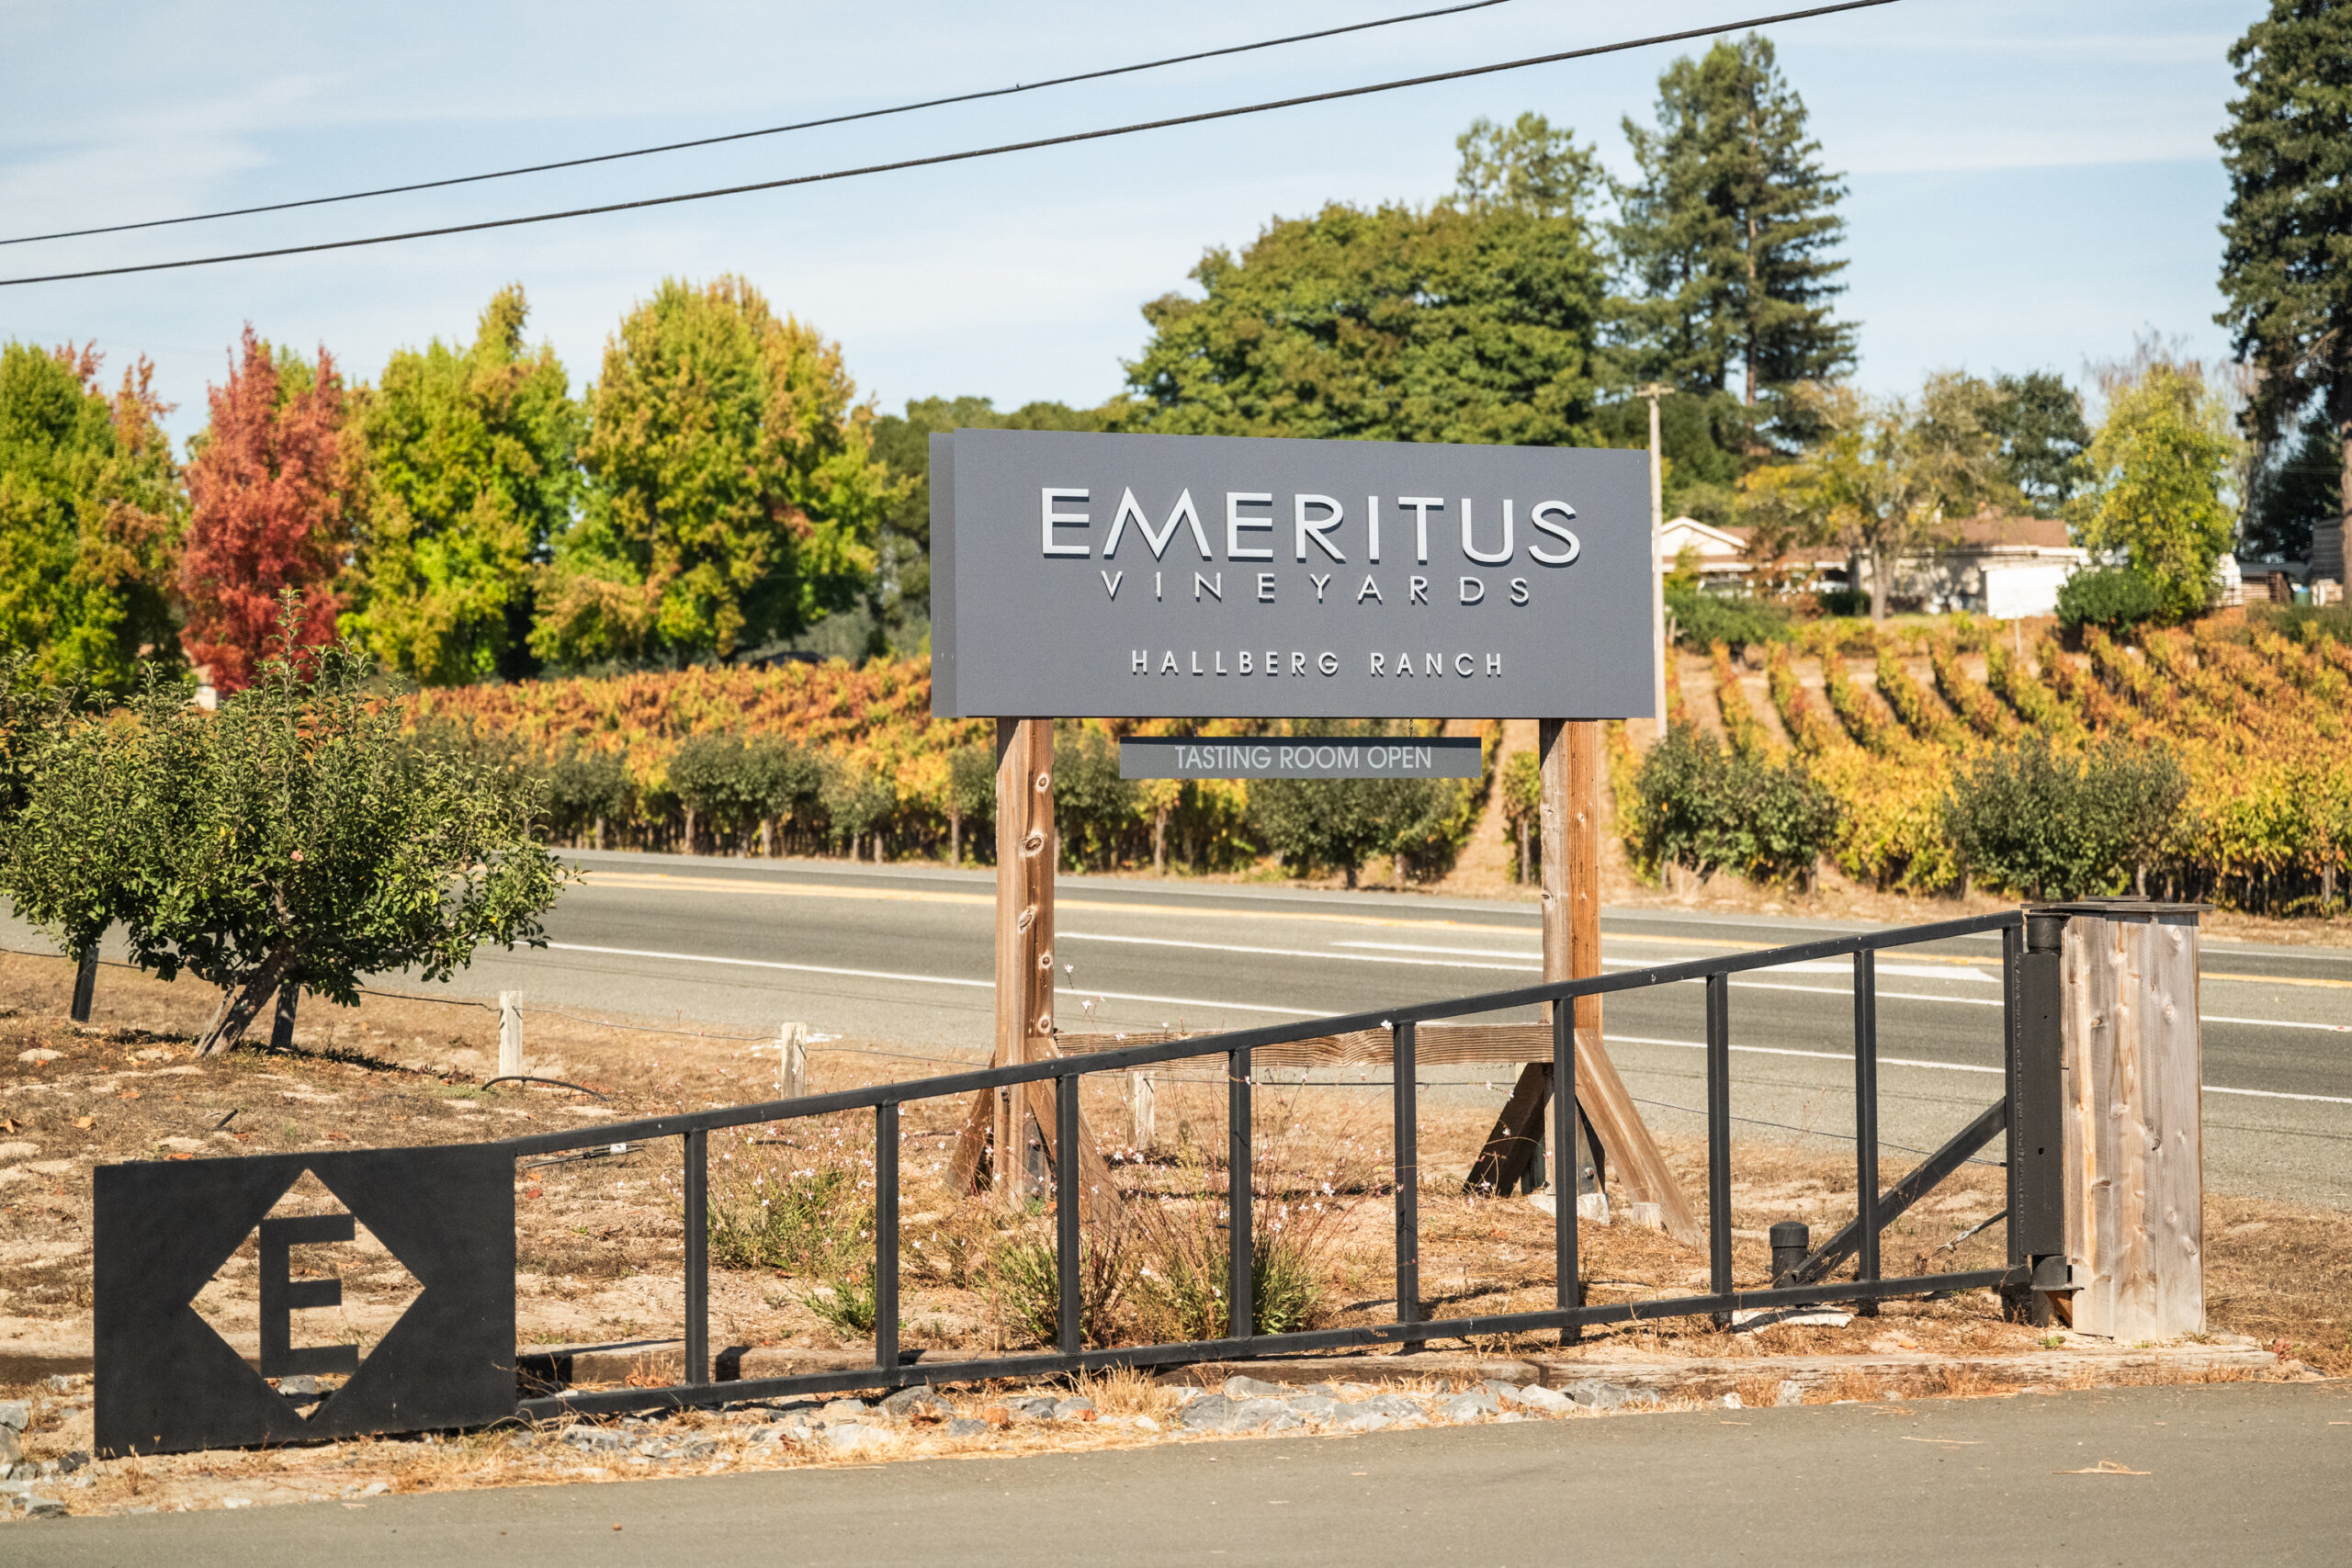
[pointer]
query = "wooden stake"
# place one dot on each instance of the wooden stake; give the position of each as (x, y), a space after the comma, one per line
(510, 1034)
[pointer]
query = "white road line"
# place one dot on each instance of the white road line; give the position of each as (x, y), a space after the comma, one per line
(919, 979)
(1951, 1067)
(1303, 1012)
(1534, 968)
(2277, 1023)
(1914, 971)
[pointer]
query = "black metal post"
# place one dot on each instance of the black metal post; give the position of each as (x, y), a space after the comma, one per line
(2012, 1053)
(1792, 1241)
(1568, 1285)
(1719, 1138)
(698, 1256)
(1866, 1121)
(1067, 1183)
(886, 1235)
(85, 982)
(2037, 1127)
(1242, 1312)
(1406, 1102)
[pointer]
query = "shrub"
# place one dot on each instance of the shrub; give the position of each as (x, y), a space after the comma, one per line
(805, 1222)
(1522, 785)
(1025, 1277)
(585, 791)
(2113, 597)
(2050, 824)
(1708, 807)
(1094, 809)
(1341, 823)
(293, 837)
(1183, 1297)
(1699, 619)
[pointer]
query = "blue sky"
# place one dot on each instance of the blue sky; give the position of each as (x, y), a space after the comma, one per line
(2031, 183)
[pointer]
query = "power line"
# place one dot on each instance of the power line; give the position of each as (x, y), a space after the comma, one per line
(1206, 116)
(769, 130)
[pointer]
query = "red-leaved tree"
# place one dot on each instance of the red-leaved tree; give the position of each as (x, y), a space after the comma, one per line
(275, 490)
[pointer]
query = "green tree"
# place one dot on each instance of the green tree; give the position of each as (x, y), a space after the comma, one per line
(2287, 259)
(1528, 167)
(899, 604)
(470, 455)
(291, 838)
(91, 510)
(1463, 322)
(1342, 823)
(2160, 473)
(2297, 490)
(2048, 824)
(2038, 419)
(1728, 233)
(1895, 475)
(735, 492)
(1711, 808)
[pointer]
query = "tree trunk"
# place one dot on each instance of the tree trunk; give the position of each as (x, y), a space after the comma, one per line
(1522, 853)
(600, 832)
(690, 831)
(1352, 873)
(766, 837)
(241, 1006)
(1160, 843)
(955, 839)
(1879, 576)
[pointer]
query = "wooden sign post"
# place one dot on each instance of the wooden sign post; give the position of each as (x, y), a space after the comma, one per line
(1570, 808)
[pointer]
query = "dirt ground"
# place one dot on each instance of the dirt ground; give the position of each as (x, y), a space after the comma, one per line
(600, 1251)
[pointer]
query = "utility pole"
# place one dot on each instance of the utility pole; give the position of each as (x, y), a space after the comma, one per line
(1654, 391)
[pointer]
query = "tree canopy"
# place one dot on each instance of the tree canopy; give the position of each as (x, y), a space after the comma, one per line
(898, 601)
(735, 493)
(1460, 322)
(294, 838)
(1729, 232)
(2161, 471)
(2287, 262)
(90, 516)
(276, 489)
(470, 454)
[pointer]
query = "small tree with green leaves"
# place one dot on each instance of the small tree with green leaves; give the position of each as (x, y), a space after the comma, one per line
(292, 839)
(2050, 824)
(1522, 785)
(972, 793)
(2161, 474)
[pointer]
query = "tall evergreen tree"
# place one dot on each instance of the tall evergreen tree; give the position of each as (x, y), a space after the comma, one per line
(2287, 265)
(1730, 232)
(90, 514)
(469, 452)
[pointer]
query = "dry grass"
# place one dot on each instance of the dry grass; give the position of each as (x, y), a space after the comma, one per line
(600, 1254)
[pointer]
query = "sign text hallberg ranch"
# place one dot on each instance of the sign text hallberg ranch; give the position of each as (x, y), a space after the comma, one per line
(1214, 577)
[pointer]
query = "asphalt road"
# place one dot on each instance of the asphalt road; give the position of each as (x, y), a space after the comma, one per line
(2241, 1473)
(898, 959)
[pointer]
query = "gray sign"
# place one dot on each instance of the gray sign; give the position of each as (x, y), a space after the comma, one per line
(1195, 576)
(1299, 756)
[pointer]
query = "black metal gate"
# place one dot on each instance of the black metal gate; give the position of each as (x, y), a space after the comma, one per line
(166, 1381)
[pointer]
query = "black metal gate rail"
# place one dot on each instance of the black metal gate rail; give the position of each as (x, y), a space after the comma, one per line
(1569, 1317)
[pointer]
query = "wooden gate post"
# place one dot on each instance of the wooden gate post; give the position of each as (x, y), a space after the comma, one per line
(2131, 1074)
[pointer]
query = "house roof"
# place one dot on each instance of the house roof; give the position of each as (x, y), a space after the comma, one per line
(1997, 530)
